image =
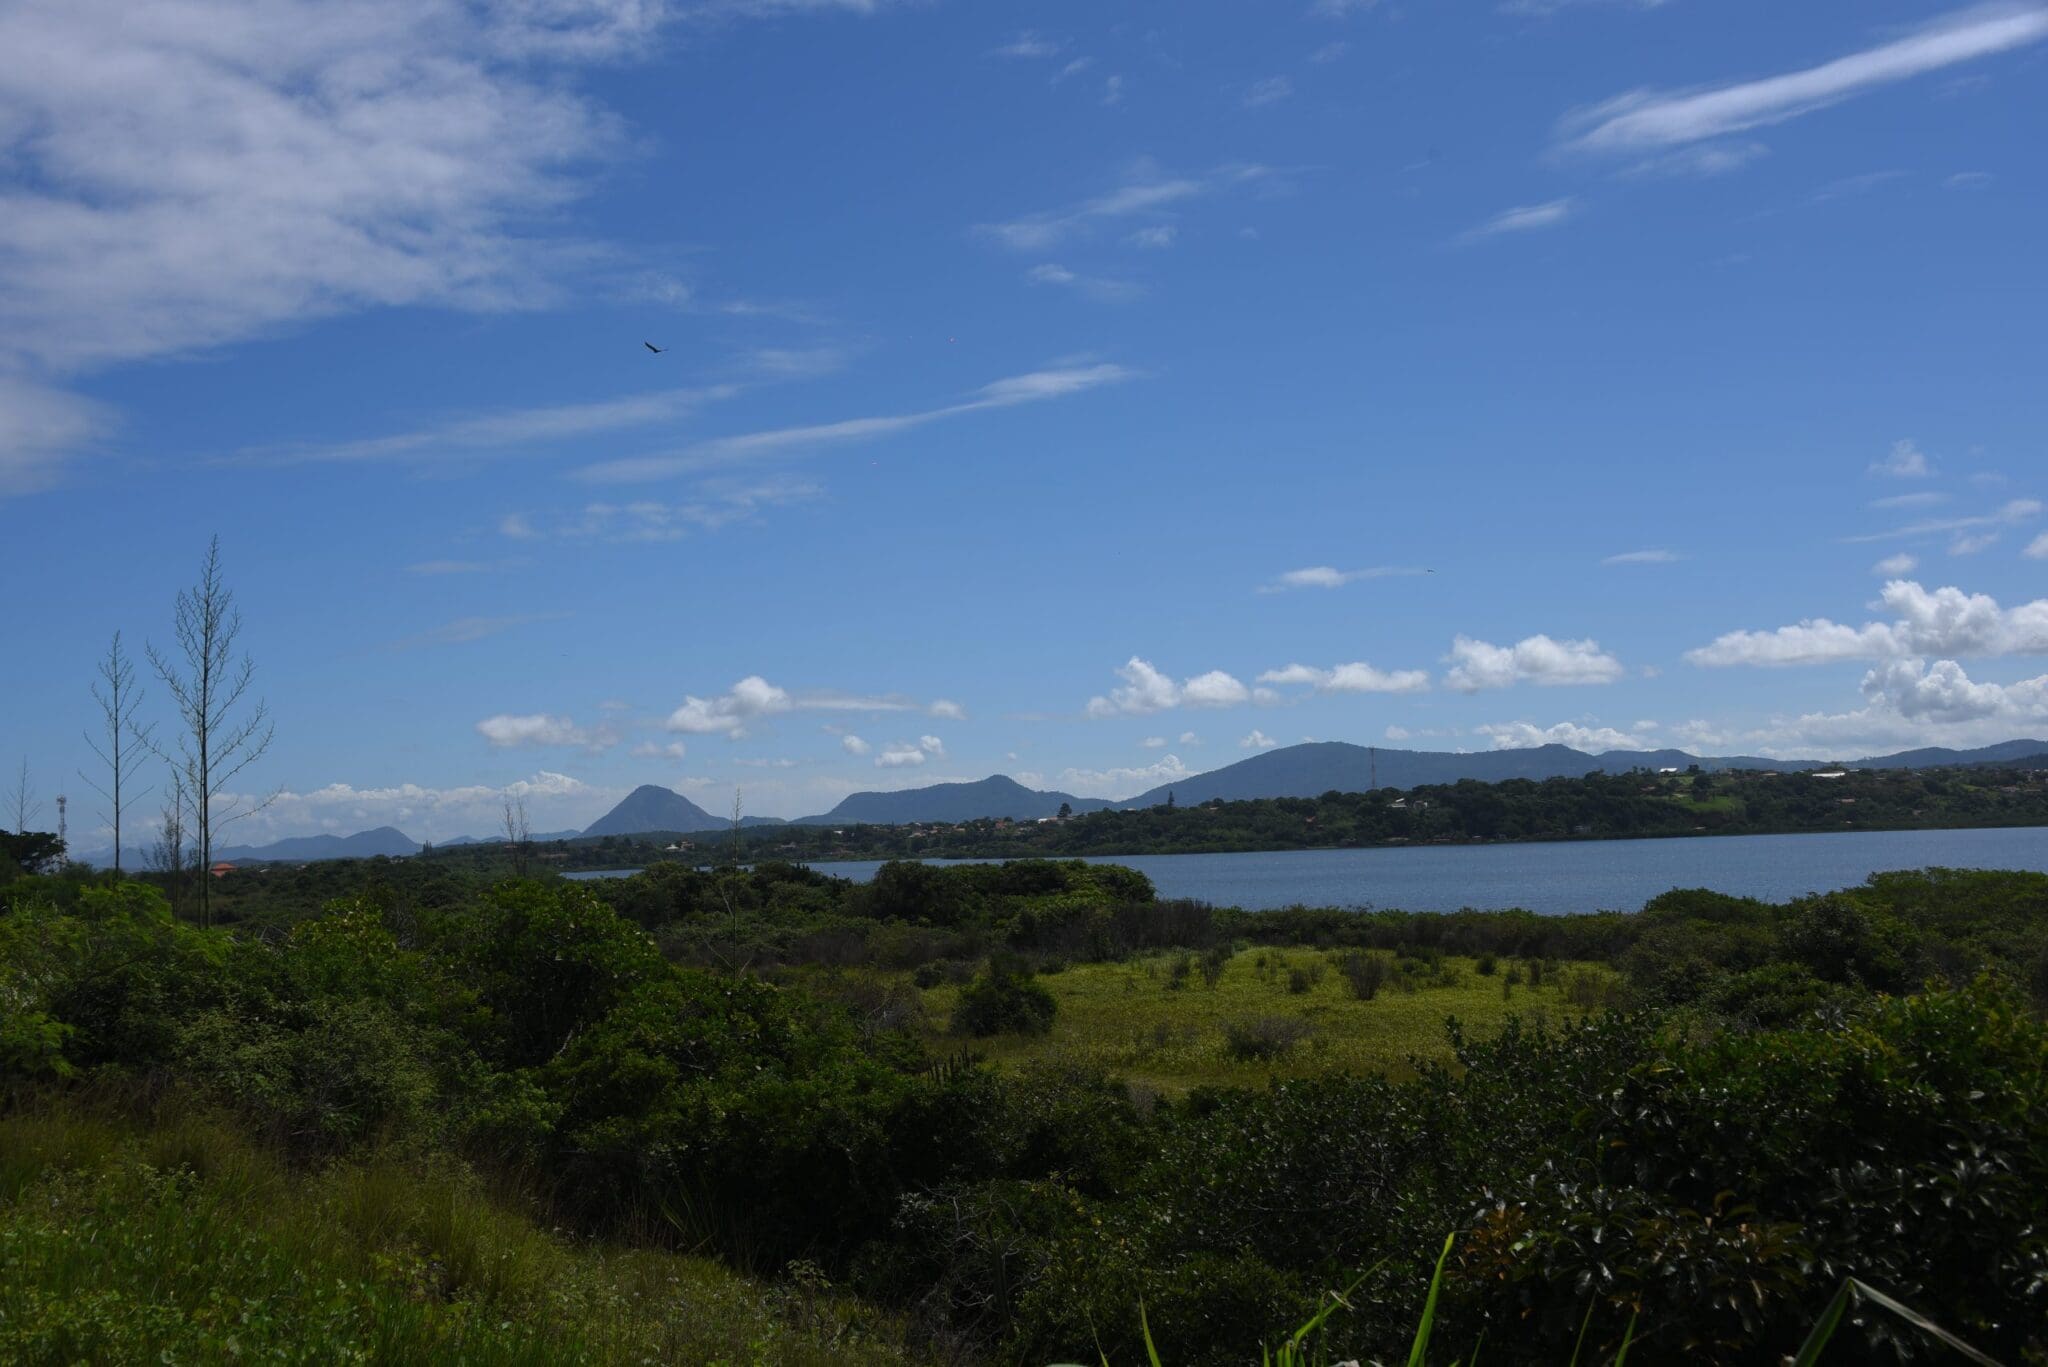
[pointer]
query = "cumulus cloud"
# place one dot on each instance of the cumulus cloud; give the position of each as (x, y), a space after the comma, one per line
(1522, 735)
(854, 745)
(1905, 461)
(2037, 549)
(1148, 690)
(508, 731)
(1946, 621)
(1257, 740)
(754, 698)
(1120, 783)
(1650, 119)
(1892, 566)
(1535, 659)
(1358, 677)
(1397, 733)
(1154, 742)
(947, 710)
(899, 756)
(423, 812)
(1190, 738)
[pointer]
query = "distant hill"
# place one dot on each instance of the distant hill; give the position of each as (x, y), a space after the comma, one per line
(384, 840)
(652, 808)
(995, 796)
(499, 839)
(1323, 766)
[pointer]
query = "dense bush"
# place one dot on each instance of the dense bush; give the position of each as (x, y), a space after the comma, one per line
(1002, 1001)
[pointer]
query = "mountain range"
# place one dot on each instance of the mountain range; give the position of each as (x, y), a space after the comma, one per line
(1305, 770)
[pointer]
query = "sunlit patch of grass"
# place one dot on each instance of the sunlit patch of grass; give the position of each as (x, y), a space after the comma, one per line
(174, 1238)
(1131, 1019)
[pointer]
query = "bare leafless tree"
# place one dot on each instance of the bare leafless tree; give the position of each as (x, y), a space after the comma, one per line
(167, 855)
(518, 833)
(222, 733)
(127, 742)
(23, 800)
(736, 962)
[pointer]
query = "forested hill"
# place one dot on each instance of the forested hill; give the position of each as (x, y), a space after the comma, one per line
(996, 796)
(1338, 766)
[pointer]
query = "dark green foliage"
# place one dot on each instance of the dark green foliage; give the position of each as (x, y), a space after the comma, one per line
(1264, 1038)
(1002, 1001)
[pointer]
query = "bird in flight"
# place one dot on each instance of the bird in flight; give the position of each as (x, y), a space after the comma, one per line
(657, 350)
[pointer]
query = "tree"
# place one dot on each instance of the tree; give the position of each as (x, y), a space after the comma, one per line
(126, 742)
(23, 800)
(221, 736)
(518, 833)
(1066, 810)
(167, 854)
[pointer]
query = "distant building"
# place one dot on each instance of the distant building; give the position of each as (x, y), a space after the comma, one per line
(222, 869)
(1832, 773)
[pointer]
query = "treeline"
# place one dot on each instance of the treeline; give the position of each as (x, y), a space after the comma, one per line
(1598, 806)
(1781, 1104)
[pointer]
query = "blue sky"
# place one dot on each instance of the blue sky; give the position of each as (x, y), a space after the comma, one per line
(1073, 391)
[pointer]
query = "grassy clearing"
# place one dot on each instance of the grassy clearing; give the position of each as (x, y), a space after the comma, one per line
(1132, 1019)
(181, 1241)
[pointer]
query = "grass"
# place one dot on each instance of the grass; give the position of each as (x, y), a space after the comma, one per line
(174, 1238)
(1130, 1018)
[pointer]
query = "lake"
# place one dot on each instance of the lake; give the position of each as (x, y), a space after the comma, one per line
(1613, 875)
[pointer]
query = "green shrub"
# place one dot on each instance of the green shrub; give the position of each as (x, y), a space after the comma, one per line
(1004, 1000)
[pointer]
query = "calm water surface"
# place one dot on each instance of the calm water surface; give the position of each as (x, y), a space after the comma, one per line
(1606, 875)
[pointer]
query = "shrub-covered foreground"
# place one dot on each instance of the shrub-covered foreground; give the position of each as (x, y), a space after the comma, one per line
(1708, 1165)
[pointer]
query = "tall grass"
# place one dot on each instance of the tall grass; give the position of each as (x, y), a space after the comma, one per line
(174, 1238)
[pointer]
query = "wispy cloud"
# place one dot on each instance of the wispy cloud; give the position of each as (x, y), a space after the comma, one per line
(2008, 514)
(719, 503)
(1037, 386)
(1654, 557)
(754, 699)
(1105, 288)
(432, 568)
(463, 630)
(1330, 577)
(1643, 120)
(1272, 90)
(1521, 219)
(1147, 192)
(1026, 44)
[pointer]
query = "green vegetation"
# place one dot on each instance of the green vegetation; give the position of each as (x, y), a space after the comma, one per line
(438, 1116)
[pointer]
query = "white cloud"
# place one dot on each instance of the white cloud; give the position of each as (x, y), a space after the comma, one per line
(1271, 90)
(1105, 288)
(2013, 511)
(854, 745)
(1026, 44)
(1522, 735)
(1357, 677)
(1190, 738)
(1112, 89)
(1648, 119)
(1704, 160)
(718, 503)
(1521, 219)
(648, 749)
(1535, 659)
(41, 427)
(1643, 558)
(1911, 703)
(1147, 690)
(1543, 9)
(899, 756)
(932, 746)
(509, 731)
(1154, 742)
(1148, 193)
(1033, 387)
(1397, 733)
(554, 801)
(1892, 566)
(947, 710)
(1073, 68)
(1924, 498)
(1974, 542)
(1330, 577)
(1257, 740)
(1906, 461)
(1329, 52)
(2037, 549)
(1157, 237)
(1944, 693)
(754, 698)
(516, 527)
(1119, 783)
(1946, 621)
